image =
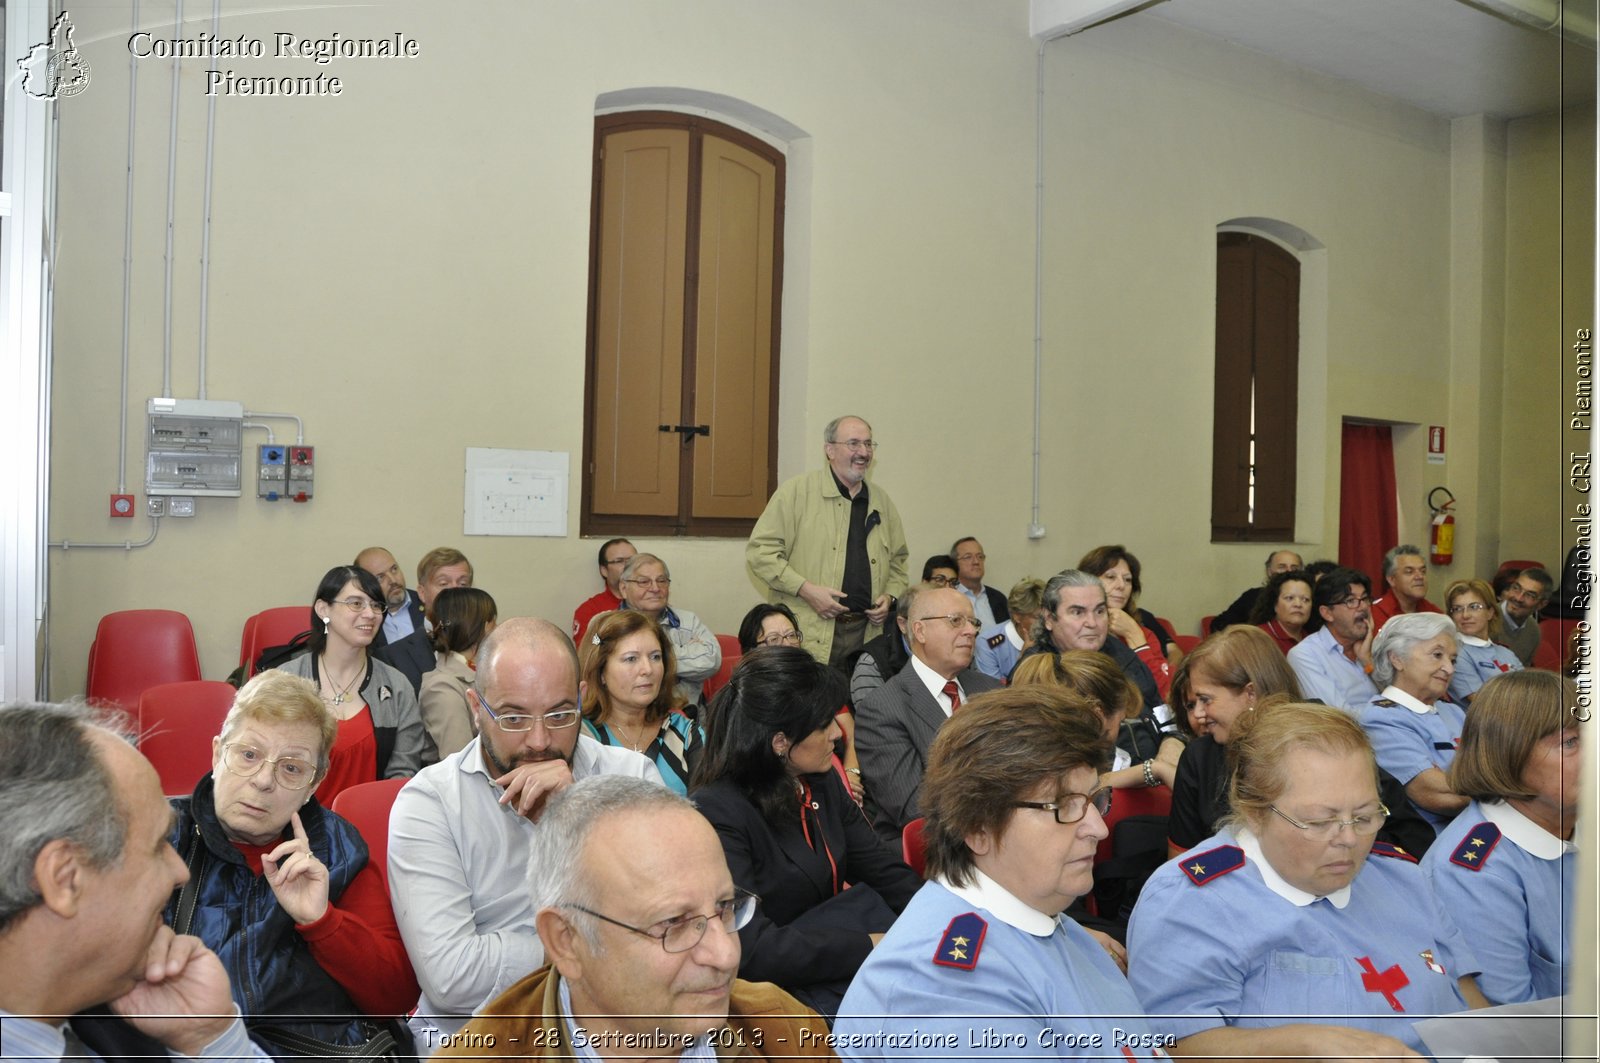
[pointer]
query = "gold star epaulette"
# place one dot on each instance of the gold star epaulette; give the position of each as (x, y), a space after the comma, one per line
(997, 640)
(1474, 850)
(1385, 849)
(961, 941)
(1205, 868)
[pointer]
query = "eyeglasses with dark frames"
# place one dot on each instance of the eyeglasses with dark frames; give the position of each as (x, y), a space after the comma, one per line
(686, 931)
(1070, 808)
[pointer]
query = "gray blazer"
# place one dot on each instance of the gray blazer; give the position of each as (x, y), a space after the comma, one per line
(895, 725)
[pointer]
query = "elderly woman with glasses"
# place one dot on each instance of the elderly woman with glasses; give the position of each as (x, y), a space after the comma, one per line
(1414, 729)
(981, 963)
(281, 888)
(381, 735)
(647, 587)
(1283, 914)
(790, 830)
(1479, 656)
(1505, 869)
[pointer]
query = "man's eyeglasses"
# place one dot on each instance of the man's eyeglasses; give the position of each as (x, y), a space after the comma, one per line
(1522, 594)
(867, 445)
(1467, 607)
(943, 581)
(972, 557)
(686, 931)
(1070, 808)
(1355, 601)
(785, 638)
(645, 584)
(517, 722)
(956, 620)
(291, 773)
(357, 605)
(1364, 825)
(617, 561)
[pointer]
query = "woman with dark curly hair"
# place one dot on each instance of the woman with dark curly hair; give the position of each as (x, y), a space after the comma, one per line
(1283, 608)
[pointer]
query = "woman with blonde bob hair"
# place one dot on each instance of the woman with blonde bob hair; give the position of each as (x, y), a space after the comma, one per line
(1116, 699)
(1505, 868)
(1013, 814)
(1474, 607)
(281, 888)
(1232, 936)
(630, 697)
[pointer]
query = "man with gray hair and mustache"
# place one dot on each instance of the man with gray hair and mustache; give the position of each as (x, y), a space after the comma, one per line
(644, 952)
(460, 829)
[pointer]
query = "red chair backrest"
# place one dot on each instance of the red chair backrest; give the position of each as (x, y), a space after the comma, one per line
(1553, 635)
(730, 657)
(912, 848)
(1518, 565)
(136, 649)
(1187, 643)
(1134, 801)
(366, 805)
(271, 627)
(177, 722)
(1205, 626)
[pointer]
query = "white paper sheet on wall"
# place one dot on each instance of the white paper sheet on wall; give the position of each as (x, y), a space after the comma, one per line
(516, 492)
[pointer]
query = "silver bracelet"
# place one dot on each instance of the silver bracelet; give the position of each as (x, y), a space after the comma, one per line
(1149, 773)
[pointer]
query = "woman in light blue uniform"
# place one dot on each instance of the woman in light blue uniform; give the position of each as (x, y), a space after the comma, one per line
(981, 964)
(1414, 733)
(1505, 869)
(1283, 915)
(1471, 604)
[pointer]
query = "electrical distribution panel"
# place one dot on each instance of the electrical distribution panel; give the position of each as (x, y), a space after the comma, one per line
(194, 447)
(285, 472)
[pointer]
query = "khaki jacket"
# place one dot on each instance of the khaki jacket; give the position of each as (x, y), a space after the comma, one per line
(802, 535)
(525, 1022)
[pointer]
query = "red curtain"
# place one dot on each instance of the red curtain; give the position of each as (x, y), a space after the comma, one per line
(1369, 518)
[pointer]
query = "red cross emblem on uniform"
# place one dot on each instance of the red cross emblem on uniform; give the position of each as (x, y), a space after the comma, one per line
(1387, 982)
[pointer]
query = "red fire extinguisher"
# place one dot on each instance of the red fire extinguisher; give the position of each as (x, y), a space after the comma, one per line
(1442, 541)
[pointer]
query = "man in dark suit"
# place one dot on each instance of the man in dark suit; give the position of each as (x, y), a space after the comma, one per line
(895, 723)
(403, 639)
(988, 604)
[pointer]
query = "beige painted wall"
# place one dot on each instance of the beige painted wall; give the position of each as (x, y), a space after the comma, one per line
(404, 267)
(1550, 231)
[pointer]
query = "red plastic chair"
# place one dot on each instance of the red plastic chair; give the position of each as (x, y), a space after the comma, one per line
(730, 657)
(1187, 643)
(1135, 801)
(177, 722)
(1518, 565)
(1205, 626)
(913, 850)
(1553, 635)
(136, 649)
(366, 805)
(270, 627)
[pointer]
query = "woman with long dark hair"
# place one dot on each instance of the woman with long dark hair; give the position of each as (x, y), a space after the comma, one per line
(790, 830)
(380, 725)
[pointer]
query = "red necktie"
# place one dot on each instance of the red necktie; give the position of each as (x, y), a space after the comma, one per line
(953, 692)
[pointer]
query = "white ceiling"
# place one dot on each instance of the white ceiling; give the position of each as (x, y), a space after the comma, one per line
(1441, 55)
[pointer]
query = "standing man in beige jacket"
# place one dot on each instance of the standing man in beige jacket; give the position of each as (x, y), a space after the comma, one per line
(830, 546)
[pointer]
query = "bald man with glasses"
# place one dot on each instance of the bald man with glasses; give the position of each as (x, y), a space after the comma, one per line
(460, 831)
